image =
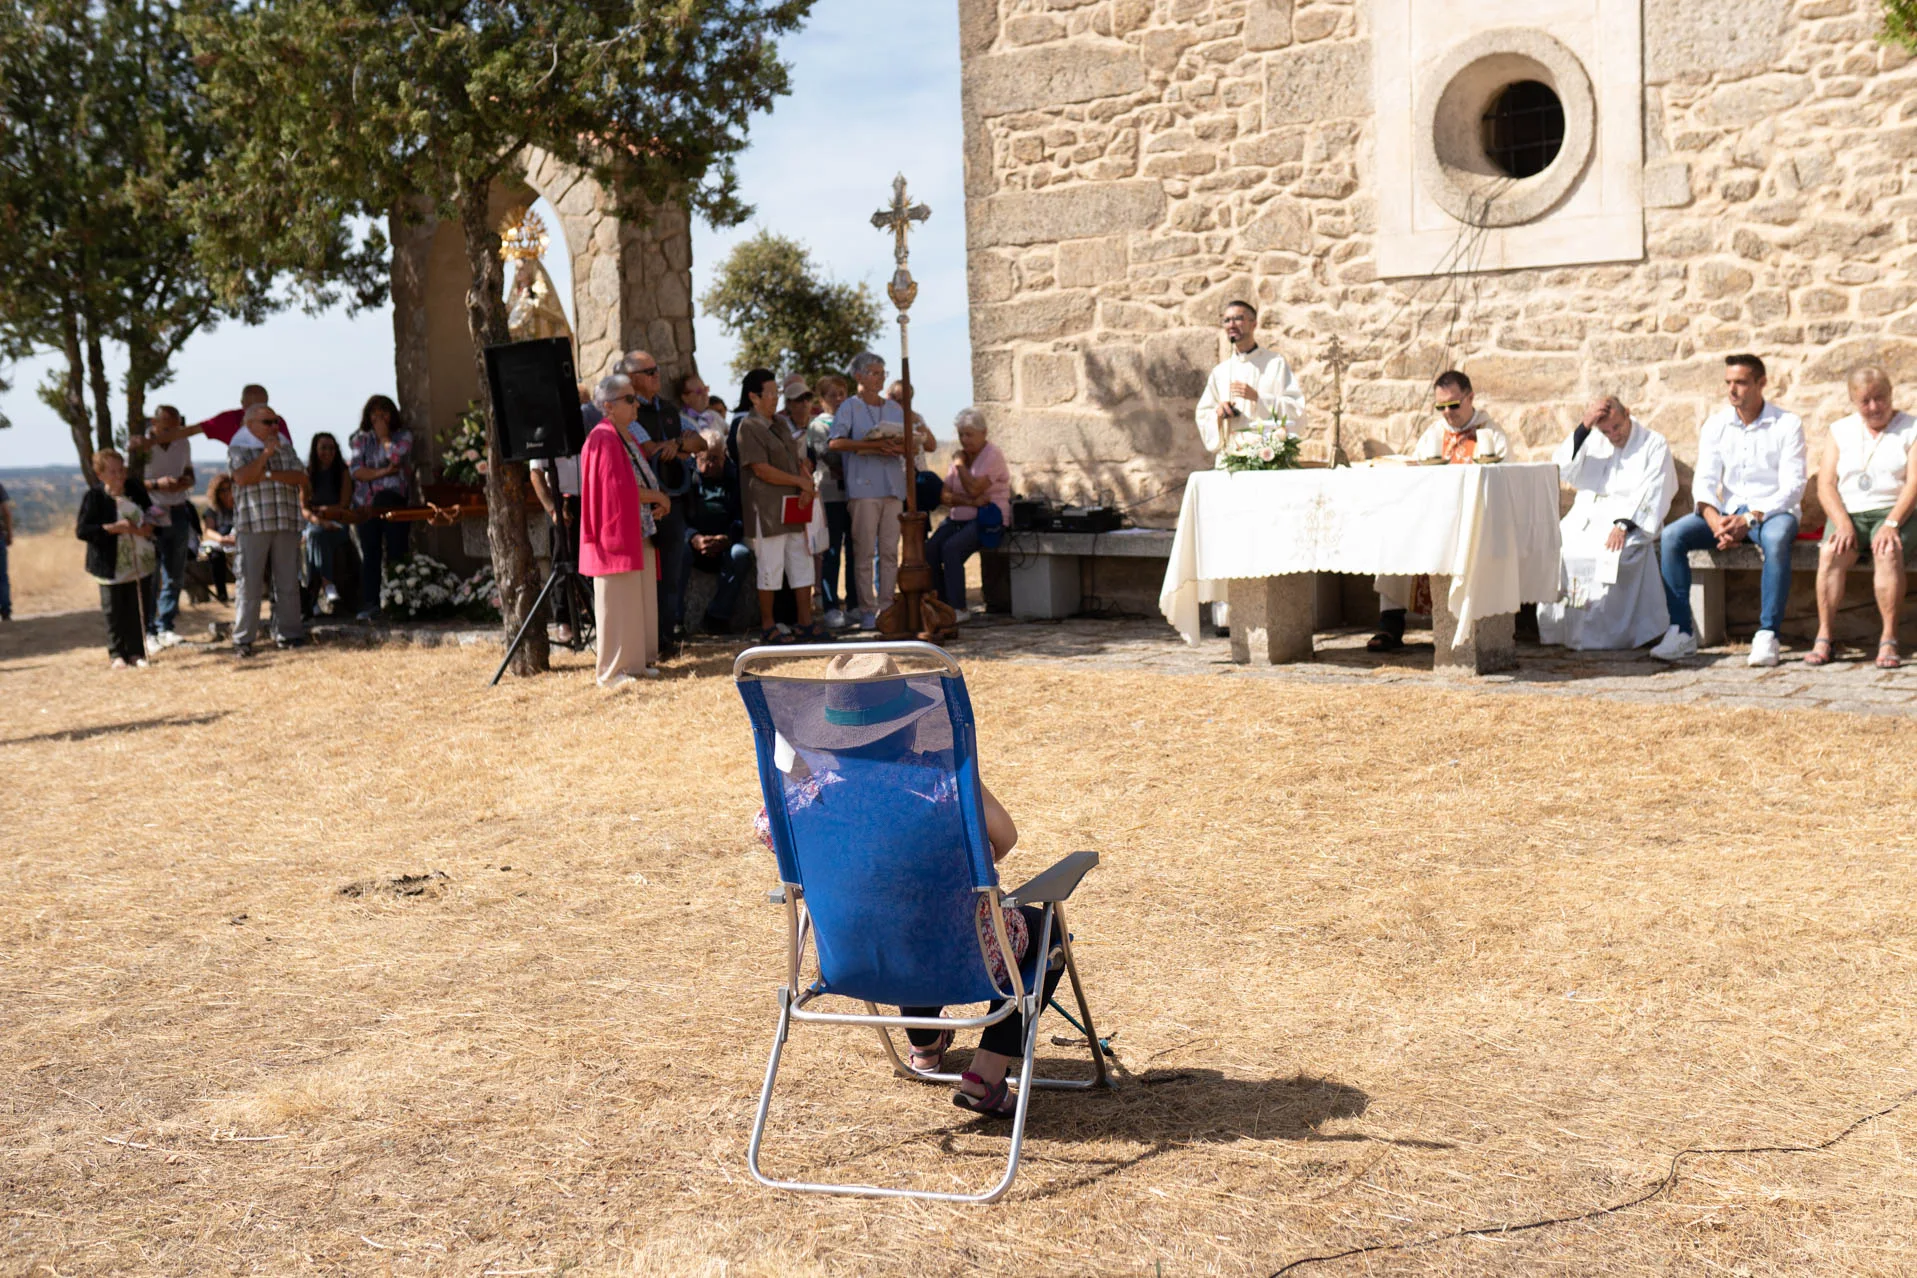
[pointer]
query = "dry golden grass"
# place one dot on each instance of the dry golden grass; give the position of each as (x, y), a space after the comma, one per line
(48, 573)
(1380, 963)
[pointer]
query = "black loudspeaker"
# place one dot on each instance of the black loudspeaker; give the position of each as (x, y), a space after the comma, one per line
(535, 399)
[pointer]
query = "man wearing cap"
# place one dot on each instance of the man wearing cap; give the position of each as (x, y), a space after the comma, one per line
(667, 445)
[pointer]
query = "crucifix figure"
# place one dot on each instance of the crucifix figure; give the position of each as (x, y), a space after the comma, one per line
(916, 612)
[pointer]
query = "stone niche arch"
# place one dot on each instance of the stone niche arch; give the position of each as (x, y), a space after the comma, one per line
(631, 283)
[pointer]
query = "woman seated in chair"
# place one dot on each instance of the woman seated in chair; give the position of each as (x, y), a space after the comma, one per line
(892, 739)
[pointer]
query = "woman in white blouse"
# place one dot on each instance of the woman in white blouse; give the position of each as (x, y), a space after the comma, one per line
(1868, 488)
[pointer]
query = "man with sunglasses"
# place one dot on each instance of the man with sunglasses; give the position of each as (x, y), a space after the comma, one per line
(268, 482)
(668, 443)
(1463, 433)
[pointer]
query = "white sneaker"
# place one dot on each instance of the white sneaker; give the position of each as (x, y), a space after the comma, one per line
(332, 596)
(1764, 649)
(961, 615)
(619, 680)
(1675, 646)
(169, 639)
(868, 620)
(152, 645)
(835, 619)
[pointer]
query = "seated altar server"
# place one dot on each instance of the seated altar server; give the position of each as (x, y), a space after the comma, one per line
(1625, 479)
(1250, 387)
(1463, 433)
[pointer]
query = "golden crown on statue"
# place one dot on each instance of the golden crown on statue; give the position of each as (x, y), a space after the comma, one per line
(522, 235)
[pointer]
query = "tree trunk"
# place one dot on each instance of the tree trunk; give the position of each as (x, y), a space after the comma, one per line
(75, 400)
(508, 488)
(96, 375)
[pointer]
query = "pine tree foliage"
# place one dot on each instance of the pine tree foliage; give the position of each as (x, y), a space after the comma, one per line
(785, 314)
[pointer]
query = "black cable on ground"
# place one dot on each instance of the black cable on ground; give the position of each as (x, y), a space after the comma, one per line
(1670, 1179)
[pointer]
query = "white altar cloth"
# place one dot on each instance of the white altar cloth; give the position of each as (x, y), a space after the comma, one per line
(1493, 530)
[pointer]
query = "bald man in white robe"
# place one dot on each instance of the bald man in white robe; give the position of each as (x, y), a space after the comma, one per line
(1625, 479)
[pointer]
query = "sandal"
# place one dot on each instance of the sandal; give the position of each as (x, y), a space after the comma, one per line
(1820, 653)
(777, 636)
(1887, 658)
(996, 1103)
(812, 632)
(930, 1060)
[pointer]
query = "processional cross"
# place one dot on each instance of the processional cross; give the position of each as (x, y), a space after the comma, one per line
(916, 611)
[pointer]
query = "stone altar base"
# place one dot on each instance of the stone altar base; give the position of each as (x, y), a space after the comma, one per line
(1492, 646)
(1271, 618)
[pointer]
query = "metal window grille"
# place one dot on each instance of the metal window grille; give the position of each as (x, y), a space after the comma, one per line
(1524, 128)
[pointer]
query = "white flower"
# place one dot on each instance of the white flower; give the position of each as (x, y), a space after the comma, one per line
(1266, 454)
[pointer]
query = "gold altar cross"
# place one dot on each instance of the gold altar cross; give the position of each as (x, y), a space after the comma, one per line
(899, 216)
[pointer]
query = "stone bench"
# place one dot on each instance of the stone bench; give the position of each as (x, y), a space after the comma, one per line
(1707, 581)
(1046, 567)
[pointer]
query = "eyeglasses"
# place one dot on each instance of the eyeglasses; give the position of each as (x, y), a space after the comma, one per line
(645, 372)
(623, 399)
(1450, 404)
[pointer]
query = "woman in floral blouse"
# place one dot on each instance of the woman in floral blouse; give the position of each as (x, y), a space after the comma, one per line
(382, 478)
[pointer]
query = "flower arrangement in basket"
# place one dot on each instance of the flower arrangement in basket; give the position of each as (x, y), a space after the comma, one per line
(1268, 445)
(462, 454)
(477, 597)
(418, 586)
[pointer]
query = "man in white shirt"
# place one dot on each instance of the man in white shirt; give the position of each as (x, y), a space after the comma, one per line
(1625, 479)
(1749, 487)
(1253, 385)
(1463, 433)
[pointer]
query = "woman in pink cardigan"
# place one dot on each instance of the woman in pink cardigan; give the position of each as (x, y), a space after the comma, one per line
(978, 481)
(619, 502)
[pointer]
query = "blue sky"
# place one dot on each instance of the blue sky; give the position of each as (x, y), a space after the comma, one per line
(875, 90)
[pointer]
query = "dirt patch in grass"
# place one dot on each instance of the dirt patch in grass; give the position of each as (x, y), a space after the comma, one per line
(1379, 963)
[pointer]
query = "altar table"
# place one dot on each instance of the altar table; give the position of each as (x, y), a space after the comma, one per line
(1487, 536)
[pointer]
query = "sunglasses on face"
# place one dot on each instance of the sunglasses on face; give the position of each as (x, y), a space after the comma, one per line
(623, 399)
(1450, 404)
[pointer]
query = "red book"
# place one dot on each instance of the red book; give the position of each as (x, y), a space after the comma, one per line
(796, 510)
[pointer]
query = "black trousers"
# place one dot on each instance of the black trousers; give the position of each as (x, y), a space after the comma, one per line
(1006, 1037)
(125, 627)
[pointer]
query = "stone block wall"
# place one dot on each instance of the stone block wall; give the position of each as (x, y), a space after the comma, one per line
(1131, 165)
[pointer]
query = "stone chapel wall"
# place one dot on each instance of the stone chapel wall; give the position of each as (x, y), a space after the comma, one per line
(1131, 165)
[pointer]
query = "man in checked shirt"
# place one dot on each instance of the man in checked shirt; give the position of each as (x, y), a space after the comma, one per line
(269, 483)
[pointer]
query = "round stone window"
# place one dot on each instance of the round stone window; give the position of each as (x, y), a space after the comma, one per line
(1506, 126)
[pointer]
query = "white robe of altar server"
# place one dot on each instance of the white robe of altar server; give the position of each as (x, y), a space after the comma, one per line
(1612, 599)
(1266, 372)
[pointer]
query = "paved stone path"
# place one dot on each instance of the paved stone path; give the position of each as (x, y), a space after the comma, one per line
(1717, 676)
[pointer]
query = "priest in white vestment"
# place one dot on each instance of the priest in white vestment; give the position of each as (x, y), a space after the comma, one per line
(1625, 479)
(1251, 387)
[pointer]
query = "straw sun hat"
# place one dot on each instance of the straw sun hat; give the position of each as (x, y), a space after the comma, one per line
(866, 699)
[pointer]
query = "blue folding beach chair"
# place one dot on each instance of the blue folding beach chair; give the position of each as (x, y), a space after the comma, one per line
(873, 798)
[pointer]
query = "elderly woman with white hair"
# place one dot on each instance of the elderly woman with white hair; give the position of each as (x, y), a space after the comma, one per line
(619, 504)
(978, 500)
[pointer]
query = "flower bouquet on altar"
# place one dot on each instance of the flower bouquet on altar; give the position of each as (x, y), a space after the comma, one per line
(1269, 445)
(462, 451)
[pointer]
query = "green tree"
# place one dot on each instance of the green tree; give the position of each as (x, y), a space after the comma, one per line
(785, 314)
(103, 136)
(1900, 22)
(417, 107)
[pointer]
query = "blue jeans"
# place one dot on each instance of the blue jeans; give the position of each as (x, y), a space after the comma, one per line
(734, 566)
(381, 541)
(170, 543)
(323, 549)
(955, 542)
(838, 527)
(1774, 537)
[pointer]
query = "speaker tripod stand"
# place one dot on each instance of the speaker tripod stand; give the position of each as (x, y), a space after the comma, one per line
(569, 593)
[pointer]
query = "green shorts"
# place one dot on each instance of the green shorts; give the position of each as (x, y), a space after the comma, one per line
(1867, 522)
